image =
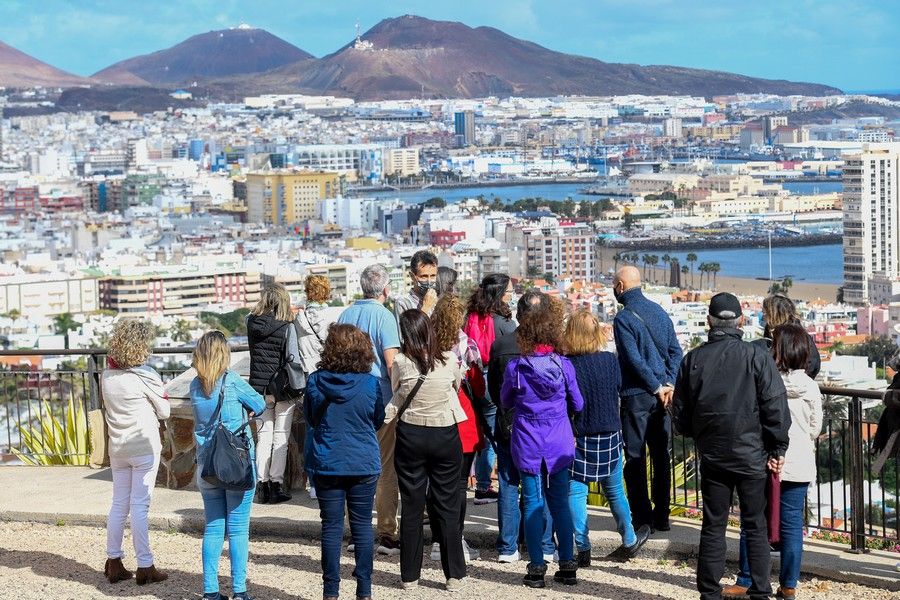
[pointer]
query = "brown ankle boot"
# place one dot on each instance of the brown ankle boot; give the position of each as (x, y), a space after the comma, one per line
(150, 575)
(115, 571)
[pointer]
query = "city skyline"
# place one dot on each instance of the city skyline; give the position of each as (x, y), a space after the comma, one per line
(776, 41)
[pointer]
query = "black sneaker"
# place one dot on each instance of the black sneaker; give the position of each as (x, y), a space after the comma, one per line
(242, 596)
(643, 534)
(487, 496)
(214, 596)
(662, 526)
(262, 493)
(584, 558)
(534, 577)
(566, 573)
(388, 546)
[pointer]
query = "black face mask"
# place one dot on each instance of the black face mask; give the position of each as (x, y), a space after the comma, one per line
(423, 286)
(618, 295)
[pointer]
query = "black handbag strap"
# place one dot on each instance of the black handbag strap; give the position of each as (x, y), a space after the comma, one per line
(311, 328)
(216, 418)
(410, 396)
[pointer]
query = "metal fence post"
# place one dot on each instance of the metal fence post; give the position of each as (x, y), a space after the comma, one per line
(857, 477)
(93, 382)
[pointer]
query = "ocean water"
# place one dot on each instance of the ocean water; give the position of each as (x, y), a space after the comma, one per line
(815, 264)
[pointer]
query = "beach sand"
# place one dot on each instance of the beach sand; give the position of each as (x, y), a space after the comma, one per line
(801, 290)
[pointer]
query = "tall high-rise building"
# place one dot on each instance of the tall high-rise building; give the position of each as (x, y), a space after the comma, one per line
(871, 223)
(283, 197)
(464, 125)
(672, 127)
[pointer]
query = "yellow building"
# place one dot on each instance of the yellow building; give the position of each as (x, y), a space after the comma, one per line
(367, 243)
(280, 197)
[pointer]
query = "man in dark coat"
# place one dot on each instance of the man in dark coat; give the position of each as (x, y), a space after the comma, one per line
(730, 398)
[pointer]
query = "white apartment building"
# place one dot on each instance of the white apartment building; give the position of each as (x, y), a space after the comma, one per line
(355, 161)
(871, 223)
(47, 295)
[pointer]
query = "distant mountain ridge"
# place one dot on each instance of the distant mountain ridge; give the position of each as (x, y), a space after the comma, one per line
(216, 54)
(18, 69)
(398, 58)
(451, 59)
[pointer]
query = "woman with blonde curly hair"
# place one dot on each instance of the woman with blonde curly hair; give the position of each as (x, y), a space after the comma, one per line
(542, 388)
(134, 402)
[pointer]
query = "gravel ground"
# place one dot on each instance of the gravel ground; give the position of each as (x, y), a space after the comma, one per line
(66, 562)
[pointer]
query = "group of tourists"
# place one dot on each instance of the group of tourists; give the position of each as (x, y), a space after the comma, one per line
(399, 409)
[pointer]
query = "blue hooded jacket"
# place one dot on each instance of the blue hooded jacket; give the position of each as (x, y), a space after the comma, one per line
(343, 443)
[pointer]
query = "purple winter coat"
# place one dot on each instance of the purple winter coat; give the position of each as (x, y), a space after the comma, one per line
(542, 389)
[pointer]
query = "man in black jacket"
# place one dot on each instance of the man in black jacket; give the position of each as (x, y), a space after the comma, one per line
(729, 397)
(509, 516)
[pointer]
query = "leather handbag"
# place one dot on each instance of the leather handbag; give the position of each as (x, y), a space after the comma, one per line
(228, 464)
(288, 383)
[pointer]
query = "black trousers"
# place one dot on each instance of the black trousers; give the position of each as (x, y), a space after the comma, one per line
(646, 424)
(428, 462)
(717, 489)
(464, 471)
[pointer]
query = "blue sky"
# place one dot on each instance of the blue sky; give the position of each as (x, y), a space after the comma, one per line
(851, 45)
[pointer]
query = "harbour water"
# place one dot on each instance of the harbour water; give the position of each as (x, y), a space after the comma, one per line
(815, 264)
(819, 264)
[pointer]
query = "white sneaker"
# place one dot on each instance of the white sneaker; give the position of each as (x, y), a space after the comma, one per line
(549, 558)
(435, 551)
(509, 558)
(312, 493)
(454, 585)
(351, 548)
(469, 552)
(409, 585)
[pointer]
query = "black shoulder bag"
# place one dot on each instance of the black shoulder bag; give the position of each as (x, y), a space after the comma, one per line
(228, 463)
(288, 383)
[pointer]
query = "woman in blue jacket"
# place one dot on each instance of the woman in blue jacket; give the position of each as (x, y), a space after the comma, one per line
(225, 510)
(344, 408)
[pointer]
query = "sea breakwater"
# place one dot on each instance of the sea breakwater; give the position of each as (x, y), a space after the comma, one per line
(812, 239)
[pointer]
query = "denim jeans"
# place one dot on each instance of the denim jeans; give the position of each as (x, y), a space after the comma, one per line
(226, 512)
(358, 493)
(484, 461)
(614, 491)
(553, 491)
(509, 513)
(793, 498)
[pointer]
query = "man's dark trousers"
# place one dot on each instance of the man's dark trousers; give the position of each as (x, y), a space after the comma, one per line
(646, 422)
(717, 488)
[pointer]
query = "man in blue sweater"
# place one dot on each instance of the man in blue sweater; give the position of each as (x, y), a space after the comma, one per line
(649, 356)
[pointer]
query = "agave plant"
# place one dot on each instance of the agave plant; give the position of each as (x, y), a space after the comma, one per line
(682, 473)
(56, 440)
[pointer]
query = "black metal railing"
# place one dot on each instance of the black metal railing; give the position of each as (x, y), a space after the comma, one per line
(44, 413)
(849, 500)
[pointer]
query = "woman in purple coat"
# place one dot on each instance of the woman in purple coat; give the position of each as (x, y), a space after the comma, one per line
(541, 390)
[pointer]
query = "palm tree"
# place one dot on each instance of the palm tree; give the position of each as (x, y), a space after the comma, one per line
(181, 332)
(703, 268)
(684, 271)
(616, 258)
(667, 260)
(65, 323)
(715, 268)
(633, 258)
(691, 258)
(646, 260)
(654, 260)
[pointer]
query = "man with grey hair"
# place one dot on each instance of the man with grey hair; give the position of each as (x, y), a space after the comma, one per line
(730, 398)
(371, 316)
